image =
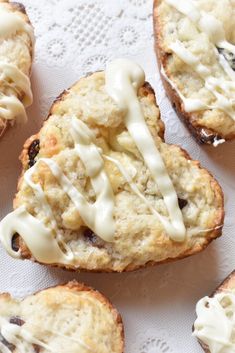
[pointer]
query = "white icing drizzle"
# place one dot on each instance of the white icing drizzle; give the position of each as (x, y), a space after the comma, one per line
(10, 106)
(205, 22)
(18, 336)
(99, 215)
(213, 28)
(135, 189)
(22, 338)
(41, 197)
(20, 80)
(215, 323)
(102, 222)
(211, 83)
(217, 142)
(12, 22)
(123, 79)
(38, 238)
(190, 104)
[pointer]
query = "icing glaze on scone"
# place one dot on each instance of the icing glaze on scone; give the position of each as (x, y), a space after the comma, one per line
(195, 45)
(215, 323)
(108, 192)
(123, 79)
(15, 87)
(222, 87)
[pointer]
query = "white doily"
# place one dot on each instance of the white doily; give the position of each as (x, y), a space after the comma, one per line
(75, 37)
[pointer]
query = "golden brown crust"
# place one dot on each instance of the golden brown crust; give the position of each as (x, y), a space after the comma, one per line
(213, 234)
(201, 133)
(75, 286)
(15, 7)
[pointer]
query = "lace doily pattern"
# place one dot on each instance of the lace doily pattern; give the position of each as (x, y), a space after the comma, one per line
(74, 38)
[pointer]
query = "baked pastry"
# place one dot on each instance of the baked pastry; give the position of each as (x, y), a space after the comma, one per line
(101, 191)
(16, 51)
(68, 318)
(215, 323)
(195, 46)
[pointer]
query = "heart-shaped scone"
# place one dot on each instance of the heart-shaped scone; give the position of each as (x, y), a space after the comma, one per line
(100, 189)
(195, 46)
(16, 52)
(68, 318)
(215, 323)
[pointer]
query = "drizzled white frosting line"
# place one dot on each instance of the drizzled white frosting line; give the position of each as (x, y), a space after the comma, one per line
(215, 32)
(20, 81)
(135, 189)
(21, 338)
(12, 22)
(102, 210)
(215, 323)
(12, 333)
(36, 235)
(205, 22)
(123, 79)
(10, 106)
(86, 210)
(211, 83)
(41, 197)
(190, 104)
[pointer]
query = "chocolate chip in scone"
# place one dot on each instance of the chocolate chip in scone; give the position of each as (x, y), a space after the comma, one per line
(92, 238)
(9, 345)
(15, 242)
(182, 203)
(230, 57)
(33, 151)
(89, 235)
(36, 348)
(16, 320)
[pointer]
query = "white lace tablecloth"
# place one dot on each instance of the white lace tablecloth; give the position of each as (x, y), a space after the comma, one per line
(75, 37)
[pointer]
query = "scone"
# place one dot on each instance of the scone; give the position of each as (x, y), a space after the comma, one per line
(215, 323)
(16, 51)
(101, 191)
(195, 46)
(70, 318)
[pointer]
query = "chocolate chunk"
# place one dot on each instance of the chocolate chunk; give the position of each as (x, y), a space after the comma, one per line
(9, 345)
(92, 238)
(37, 348)
(230, 57)
(16, 320)
(15, 242)
(89, 234)
(182, 203)
(33, 151)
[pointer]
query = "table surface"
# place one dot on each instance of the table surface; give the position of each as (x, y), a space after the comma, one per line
(158, 304)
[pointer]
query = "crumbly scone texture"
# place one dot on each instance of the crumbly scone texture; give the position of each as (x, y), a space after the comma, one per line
(17, 50)
(227, 285)
(140, 238)
(68, 318)
(170, 25)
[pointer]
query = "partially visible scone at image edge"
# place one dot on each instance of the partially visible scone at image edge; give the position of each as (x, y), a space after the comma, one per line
(16, 55)
(215, 324)
(195, 47)
(66, 318)
(90, 199)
